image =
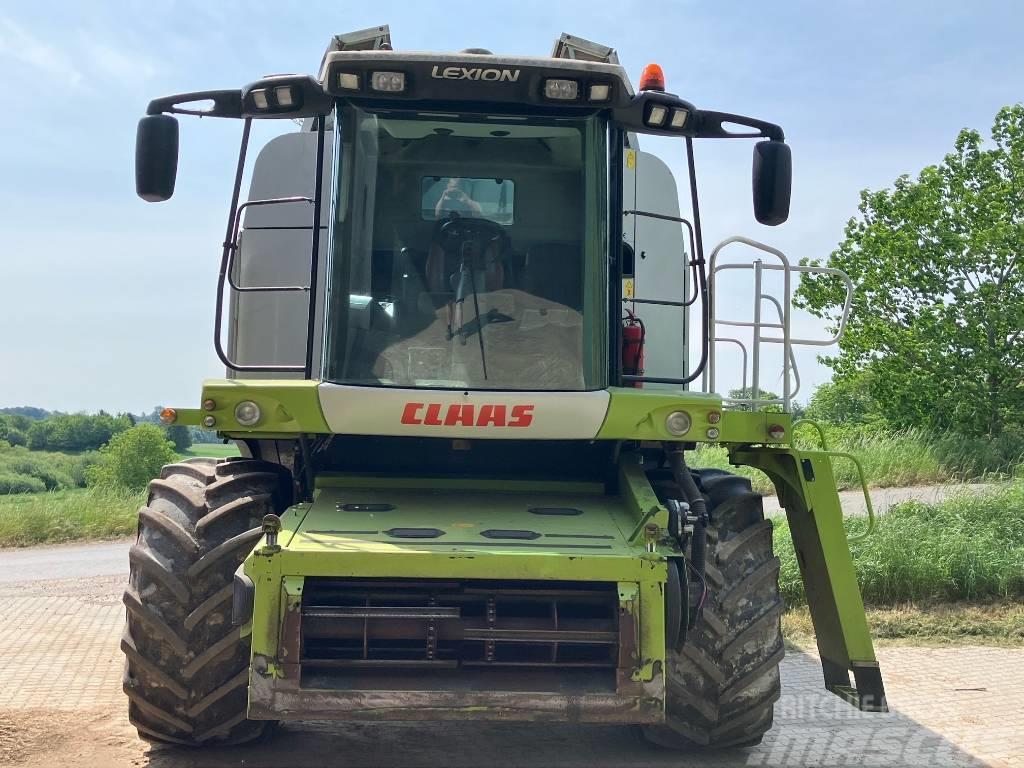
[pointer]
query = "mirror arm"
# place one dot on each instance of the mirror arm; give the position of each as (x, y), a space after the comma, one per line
(225, 104)
(709, 125)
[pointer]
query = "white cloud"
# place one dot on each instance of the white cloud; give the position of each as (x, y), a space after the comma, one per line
(20, 45)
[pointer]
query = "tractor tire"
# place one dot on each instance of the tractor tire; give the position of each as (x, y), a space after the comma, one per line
(186, 670)
(722, 687)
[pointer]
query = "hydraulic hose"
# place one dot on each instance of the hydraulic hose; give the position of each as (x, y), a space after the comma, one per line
(698, 511)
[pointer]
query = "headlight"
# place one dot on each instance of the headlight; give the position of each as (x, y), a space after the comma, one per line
(678, 423)
(247, 413)
(388, 82)
(563, 90)
(656, 115)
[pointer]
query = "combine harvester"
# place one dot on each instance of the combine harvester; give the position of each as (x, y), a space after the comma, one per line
(458, 309)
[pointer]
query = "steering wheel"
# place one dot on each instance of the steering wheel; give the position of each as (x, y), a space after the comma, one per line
(455, 230)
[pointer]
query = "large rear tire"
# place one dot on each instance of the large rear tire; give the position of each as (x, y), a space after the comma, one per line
(722, 687)
(186, 671)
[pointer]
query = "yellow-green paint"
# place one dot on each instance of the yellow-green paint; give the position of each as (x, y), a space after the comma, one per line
(345, 480)
(639, 414)
(291, 407)
(320, 540)
(288, 407)
(640, 499)
(807, 491)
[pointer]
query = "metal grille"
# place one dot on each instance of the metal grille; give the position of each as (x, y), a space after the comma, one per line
(456, 624)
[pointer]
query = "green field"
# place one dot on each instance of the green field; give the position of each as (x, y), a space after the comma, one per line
(217, 450)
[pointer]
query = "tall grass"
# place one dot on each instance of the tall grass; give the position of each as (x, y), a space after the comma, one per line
(903, 458)
(967, 547)
(56, 516)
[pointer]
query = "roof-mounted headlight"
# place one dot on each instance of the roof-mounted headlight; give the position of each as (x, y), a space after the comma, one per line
(388, 82)
(561, 89)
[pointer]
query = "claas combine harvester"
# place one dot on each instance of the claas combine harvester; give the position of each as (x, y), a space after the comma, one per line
(459, 372)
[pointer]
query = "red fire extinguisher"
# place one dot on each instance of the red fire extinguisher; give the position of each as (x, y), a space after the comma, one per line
(633, 347)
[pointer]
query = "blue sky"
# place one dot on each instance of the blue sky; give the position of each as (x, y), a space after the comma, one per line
(107, 302)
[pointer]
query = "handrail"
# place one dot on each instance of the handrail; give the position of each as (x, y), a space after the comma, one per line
(758, 325)
(234, 247)
(743, 349)
(230, 246)
(847, 304)
(755, 379)
(860, 475)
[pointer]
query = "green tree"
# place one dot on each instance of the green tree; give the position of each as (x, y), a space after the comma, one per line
(74, 432)
(847, 401)
(132, 458)
(180, 436)
(938, 312)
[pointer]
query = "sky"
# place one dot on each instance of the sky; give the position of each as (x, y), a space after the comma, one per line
(107, 301)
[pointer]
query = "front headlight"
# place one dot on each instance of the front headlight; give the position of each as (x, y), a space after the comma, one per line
(247, 413)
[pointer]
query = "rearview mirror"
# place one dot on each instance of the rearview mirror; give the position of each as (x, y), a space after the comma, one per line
(156, 157)
(773, 182)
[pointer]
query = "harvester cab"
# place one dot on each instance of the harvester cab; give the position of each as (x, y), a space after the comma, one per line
(459, 372)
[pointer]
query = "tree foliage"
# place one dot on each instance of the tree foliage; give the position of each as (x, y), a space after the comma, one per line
(848, 401)
(938, 312)
(75, 432)
(180, 435)
(132, 458)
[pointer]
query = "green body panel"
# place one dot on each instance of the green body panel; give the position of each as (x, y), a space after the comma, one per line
(807, 490)
(639, 414)
(619, 538)
(344, 480)
(288, 407)
(293, 407)
(323, 540)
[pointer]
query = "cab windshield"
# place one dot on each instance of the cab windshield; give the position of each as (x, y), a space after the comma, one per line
(468, 252)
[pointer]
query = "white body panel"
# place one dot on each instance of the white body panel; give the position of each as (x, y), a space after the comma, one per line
(270, 328)
(661, 250)
(475, 414)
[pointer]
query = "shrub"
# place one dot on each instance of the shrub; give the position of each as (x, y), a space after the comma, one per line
(12, 483)
(132, 458)
(57, 471)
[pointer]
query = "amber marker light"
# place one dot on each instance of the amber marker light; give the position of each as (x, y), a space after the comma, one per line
(653, 78)
(168, 416)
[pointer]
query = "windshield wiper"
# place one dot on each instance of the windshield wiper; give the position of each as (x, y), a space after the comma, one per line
(476, 310)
